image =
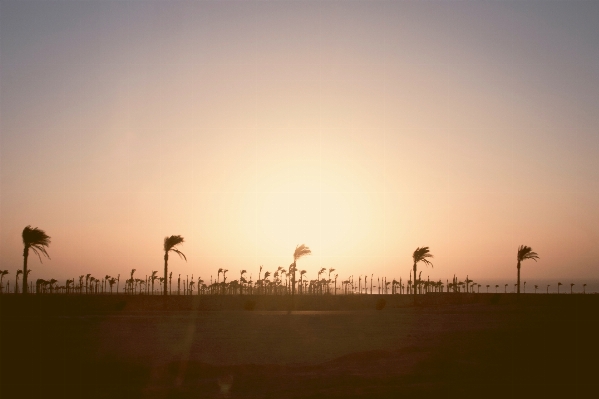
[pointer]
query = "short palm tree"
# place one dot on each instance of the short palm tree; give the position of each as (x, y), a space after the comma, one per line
(2, 274)
(584, 286)
(112, 281)
(20, 271)
(421, 255)
(169, 245)
(558, 285)
(153, 278)
(37, 240)
(571, 285)
(524, 253)
(300, 251)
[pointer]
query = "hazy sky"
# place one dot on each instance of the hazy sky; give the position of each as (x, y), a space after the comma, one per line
(363, 129)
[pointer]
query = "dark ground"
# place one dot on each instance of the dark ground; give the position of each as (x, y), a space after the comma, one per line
(58, 346)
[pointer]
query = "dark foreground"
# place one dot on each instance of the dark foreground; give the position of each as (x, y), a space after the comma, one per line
(475, 345)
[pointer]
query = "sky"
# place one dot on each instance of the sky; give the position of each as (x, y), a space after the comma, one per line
(363, 129)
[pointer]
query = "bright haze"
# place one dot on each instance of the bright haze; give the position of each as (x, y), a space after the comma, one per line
(362, 129)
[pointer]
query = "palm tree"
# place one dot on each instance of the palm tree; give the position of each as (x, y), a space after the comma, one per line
(20, 271)
(524, 253)
(525, 287)
(558, 284)
(300, 250)
(153, 278)
(496, 286)
(571, 285)
(302, 280)
(169, 245)
(584, 291)
(2, 274)
(112, 281)
(548, 285)
(242, 280)
(421, 255)
(505, 289)
(330, 271)
(536, 287)
(37, 240)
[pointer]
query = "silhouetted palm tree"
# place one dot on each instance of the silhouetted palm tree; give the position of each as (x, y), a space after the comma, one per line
(571, 285)
(300, 251)
(20, 271)
(536, 287)
(153, 278)
(584, 286)
(558, 285)
(2, 274)
(37, 240)
(420, 255)
(524, 253)
(112, 281)
(169, 245)
(548, 285)
(496, 286)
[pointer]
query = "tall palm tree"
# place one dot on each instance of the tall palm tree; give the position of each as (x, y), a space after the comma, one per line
(524, 253)
(37, 240)
(300, 251)
(558, 285)
(421, 255)
(169, 245)
(571, 285)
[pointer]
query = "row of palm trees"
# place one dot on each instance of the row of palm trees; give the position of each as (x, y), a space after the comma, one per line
(284, 281)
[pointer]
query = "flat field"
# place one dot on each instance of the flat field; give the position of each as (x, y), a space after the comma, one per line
(123, 346)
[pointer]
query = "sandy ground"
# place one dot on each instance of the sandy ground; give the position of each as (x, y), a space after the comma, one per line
(512, 348)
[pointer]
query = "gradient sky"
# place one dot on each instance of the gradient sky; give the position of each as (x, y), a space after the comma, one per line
(363, 129)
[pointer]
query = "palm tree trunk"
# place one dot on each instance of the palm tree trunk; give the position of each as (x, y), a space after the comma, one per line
(165, 271)
(518, 277)
(293, 280)
(414, 284)
(25, 256)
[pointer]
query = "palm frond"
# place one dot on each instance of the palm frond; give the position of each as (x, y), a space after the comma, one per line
(301, 250)
(421, 255)
(34, 236)
(172, 241)
(525, 252)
